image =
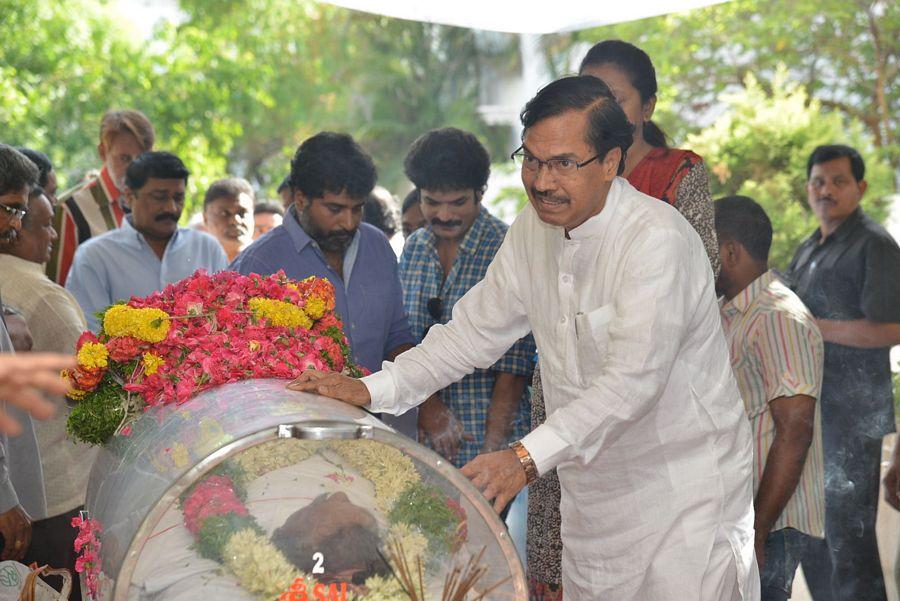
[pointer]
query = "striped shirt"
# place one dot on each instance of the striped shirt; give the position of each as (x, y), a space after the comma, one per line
(423, 279)
(776, 351)
(87, 210)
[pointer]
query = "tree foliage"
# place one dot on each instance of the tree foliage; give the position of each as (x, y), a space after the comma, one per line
(845, 54)
(760, 145)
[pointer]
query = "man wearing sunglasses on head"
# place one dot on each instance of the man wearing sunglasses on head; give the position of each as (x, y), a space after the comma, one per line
(488, 408)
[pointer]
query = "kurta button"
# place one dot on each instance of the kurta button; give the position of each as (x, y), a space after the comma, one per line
(563, 319)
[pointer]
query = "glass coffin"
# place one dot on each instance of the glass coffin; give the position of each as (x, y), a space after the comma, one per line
(251, 491)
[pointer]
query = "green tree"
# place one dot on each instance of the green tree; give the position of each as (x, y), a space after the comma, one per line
(760, 145)
(845, 54)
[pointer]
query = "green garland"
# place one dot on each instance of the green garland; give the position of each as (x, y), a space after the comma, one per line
(423, 506)
(97, 417)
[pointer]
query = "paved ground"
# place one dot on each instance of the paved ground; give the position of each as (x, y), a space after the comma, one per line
(888, 543)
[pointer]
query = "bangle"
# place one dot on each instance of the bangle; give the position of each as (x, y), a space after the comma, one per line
(525, 459)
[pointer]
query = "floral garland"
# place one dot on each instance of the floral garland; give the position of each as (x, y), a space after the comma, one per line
(216, 514)
(87, 545)
(204, 331)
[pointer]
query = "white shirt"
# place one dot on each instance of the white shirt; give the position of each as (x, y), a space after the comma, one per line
(120, 264)
(56, 322)
(645, 424)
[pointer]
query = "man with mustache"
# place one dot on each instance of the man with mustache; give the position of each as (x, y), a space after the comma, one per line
(97, 204)
(489, 408)
(228, 214)
(323, 235)
(848, 273)
(645, 424)
(149, 251)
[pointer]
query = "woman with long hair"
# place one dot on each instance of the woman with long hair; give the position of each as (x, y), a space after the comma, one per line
(672, 175)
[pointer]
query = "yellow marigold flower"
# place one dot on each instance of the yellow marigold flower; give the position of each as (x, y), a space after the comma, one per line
(92, 355)
(148, 324)
(152, 363)
(315, 307)
(280, 313)
(76, 394)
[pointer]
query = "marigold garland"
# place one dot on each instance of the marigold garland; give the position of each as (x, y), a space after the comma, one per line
(204, 331)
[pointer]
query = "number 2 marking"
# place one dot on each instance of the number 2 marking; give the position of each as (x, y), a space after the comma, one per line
(319, 568)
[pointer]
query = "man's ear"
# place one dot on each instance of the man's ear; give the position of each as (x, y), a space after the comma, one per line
(101, 151)
(863, 185)
(730, 253)
(611, 163)
(479, 194)
(300, 200)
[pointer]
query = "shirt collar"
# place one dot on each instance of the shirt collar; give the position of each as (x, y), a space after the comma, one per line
(301, 239)
(298, 235)
(843, 230)
(14, 262)
(598, 224)
(745, 297)
(135, 239)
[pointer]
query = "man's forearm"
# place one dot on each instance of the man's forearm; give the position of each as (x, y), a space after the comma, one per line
(784, 466)
(507, 394)
(399, 351)
(860, 333)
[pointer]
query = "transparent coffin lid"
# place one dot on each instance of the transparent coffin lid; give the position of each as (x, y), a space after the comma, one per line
(138, 483)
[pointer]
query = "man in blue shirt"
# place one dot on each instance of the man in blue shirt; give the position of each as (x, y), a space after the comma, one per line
(489, 408)
(149, 251)
(322, 235)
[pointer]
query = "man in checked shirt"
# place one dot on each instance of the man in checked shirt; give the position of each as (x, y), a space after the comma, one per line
(489, 408)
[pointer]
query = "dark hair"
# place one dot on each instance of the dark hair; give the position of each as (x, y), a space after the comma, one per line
(380, 210)
(742, 220)
(637, 66)
(608, 127)
(351, 546)
(232, 187)
(16, 170)
(829, 152)
(161, 165)
(263, 208)
(332, 162)
(411, 200)
(285, 183)
(447, 159)
(41, 161)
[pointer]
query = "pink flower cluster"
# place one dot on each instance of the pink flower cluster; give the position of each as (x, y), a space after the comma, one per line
(87, 544)
(215, 337)
(213, 496)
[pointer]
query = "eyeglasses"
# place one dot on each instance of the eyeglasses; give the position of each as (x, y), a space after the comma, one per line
(13, 212)
(558, 167)
(435, 306)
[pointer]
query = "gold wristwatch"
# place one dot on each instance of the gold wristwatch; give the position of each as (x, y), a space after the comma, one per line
(525, 459)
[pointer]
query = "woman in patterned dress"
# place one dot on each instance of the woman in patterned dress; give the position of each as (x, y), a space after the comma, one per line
(672, 175)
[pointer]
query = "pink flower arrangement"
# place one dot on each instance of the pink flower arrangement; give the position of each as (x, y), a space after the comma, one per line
(202, 332)
(87, 544)
(213, 496)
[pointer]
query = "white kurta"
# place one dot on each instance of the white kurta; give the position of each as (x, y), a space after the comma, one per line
(645, 424)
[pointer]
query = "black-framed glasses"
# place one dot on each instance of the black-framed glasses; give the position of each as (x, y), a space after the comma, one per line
(435, 306)
(14, 212)
(561, 167)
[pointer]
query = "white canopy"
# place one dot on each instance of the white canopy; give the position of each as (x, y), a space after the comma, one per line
(522, 16)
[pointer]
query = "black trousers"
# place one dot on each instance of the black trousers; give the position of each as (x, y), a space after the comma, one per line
(846, 565)
(53, 544)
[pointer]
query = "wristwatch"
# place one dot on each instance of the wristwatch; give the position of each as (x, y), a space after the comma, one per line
(525, 459)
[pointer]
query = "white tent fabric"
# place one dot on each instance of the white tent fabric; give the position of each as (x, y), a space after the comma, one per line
(522, 16)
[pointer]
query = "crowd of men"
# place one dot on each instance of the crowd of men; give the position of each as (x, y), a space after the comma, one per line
(701, 411)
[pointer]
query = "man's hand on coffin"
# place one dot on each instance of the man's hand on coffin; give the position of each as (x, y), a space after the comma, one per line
(23, 378)
(15, 526)
(440, 425)
(330, 384)
(499, 476)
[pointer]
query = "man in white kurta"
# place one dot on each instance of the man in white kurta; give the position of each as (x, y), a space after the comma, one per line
(645, 423)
